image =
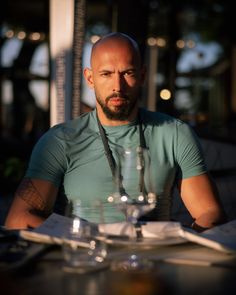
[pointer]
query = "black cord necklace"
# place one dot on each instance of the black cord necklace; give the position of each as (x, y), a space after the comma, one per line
(111, 160)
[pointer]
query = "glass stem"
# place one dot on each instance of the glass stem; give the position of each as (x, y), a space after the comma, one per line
(138, 230)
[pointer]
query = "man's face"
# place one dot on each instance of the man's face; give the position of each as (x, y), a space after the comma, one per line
(117, 77)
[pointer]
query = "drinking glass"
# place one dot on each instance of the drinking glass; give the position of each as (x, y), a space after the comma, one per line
(82, 250)
(134, 195)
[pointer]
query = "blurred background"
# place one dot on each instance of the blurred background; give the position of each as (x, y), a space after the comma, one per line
(189, 48)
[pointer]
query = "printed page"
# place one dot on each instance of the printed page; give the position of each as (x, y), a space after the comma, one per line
(222, 237)
(51, 231)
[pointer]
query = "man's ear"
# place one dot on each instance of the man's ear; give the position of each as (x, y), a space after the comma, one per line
(88, 75)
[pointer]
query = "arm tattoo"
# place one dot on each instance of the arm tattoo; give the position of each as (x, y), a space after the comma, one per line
(28, 192)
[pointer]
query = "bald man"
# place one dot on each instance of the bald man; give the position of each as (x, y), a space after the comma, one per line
(71, 159)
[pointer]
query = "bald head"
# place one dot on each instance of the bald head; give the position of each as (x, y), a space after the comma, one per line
(113, 41)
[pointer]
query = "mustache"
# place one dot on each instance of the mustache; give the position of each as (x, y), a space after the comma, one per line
(117, 94)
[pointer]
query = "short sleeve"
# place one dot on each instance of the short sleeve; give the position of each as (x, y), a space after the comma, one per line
(189, 155)
(48, 160)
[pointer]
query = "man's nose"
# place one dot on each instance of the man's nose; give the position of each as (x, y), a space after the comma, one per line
(118, 83)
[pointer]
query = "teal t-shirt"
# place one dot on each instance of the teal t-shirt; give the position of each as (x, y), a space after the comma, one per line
(72, 156)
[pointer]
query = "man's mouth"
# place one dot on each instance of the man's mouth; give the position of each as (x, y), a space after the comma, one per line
(117, 101)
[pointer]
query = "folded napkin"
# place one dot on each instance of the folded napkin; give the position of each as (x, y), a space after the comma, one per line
(157, 229)
(117, 229)
(161, 229)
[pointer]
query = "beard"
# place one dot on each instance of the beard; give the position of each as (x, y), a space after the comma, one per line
(119, 113)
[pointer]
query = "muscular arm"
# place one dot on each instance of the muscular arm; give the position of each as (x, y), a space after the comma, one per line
(200, 197)
(33, 202)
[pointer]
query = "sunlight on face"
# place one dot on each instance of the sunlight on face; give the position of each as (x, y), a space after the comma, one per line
(117, 77)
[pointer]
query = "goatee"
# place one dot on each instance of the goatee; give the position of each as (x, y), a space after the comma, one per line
(120, 113)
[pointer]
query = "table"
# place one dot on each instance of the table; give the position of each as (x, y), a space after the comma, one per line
(47, 277)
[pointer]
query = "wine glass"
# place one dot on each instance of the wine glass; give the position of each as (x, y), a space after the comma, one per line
(134, 195)
(82, 250)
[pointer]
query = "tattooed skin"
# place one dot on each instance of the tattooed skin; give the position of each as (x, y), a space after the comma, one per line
(28, 192)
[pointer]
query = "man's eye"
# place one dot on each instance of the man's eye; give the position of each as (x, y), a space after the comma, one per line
(105, 74)
(130, 74)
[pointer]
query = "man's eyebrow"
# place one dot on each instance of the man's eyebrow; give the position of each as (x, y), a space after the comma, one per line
(124, 71)
(104, 70)
(133, 70)
(130, 69)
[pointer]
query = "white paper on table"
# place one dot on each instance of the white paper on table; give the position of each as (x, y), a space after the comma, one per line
(161, 229)
(117, 229)
(221, 237)
(153, 233)
(51, 231)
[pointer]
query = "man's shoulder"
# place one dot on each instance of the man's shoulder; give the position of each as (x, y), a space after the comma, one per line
(159, 118)
(72, 128)
(75, 125)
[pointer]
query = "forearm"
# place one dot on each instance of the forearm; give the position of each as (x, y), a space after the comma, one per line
(209, 219)
(23, 219)
(33, 203)
(201, 198)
